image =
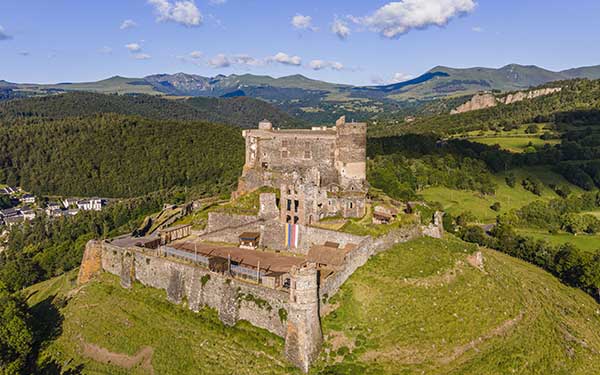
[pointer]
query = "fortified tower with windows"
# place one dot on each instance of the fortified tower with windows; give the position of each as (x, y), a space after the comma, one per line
(320, 172)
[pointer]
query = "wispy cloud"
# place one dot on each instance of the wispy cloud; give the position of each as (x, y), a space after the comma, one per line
(127, 24)
(340, 28)
(141, 56)
(106, 50)
(302, 22)
(219, 61)
(477, 29)
(4, 35)
(183, 12)
(133, 47)
(397, 18)
(322, 64)
(217, 2)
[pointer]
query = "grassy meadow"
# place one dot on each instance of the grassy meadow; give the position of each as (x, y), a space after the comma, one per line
(421, 308)
(458, 201)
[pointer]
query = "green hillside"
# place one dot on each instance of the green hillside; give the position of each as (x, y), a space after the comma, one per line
(118, 156)
(420, 307)
(242, 112)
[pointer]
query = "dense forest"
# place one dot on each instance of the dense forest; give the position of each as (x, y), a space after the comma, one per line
(578, 101)
(242, 112)
(118, 156)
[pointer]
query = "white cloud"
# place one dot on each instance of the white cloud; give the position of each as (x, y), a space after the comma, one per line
(285, 59)
(106, 50)
(396, 78)
(141, 56)
(196, 55)
(401, 77)
(133, 47)
(321, 64)
(301, 22)
(4, 35)
(340, 28)
(217, 2)
(184, 12)
(219, 61)
(397, 18)
(247, 60)
(477, 29)
(127, 24)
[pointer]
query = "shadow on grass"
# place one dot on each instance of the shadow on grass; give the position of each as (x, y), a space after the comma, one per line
(46, 324)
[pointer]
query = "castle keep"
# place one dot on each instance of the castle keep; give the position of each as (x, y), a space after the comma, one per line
(320, 172)
(274, 268)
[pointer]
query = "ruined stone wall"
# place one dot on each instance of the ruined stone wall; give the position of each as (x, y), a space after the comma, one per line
(218, 221)
(359, 256)
(234, 300)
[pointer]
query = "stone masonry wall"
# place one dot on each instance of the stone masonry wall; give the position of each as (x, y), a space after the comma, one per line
(234, 300)
(359, 256)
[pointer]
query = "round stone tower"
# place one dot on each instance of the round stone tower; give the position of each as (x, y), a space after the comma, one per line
(304, 336)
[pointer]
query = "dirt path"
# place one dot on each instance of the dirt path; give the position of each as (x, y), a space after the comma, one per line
(415, 356)
(143, 357)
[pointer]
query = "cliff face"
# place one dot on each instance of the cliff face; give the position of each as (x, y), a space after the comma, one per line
(486, 100)
(521, 95)
(478, 101)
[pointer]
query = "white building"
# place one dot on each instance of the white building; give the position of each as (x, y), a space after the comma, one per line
(93, 204)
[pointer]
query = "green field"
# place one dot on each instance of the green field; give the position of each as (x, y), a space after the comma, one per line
(458, 201)
(421, 309)
(583, 241)
(515, 144)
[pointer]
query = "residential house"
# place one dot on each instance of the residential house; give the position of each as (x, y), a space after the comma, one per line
(28, 198)
(93, 204)
(27, 212)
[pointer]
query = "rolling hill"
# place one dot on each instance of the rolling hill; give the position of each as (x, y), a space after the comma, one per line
(425, 306)
(243, 112)
(313, 100)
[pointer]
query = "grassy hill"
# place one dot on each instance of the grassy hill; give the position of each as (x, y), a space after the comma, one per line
(420, 307)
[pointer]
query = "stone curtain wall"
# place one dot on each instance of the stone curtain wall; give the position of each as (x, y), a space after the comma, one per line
(234, 300)
(359, 256)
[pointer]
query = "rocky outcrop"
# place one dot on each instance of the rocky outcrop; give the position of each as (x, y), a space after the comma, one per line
(478, 101)
(487, 100)
(522, 95)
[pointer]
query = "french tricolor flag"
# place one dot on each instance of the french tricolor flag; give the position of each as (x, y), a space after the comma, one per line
(291, 235)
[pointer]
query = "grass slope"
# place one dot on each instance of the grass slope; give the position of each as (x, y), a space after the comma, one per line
(421, 308)
(459, 201)
(103, 317)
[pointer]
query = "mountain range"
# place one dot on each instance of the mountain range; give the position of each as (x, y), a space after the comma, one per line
(311, 99)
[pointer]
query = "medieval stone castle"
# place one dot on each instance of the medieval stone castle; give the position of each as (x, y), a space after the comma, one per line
(283, 259)
(320, 172)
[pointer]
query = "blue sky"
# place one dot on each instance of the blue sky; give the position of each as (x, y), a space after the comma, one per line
(372, 41)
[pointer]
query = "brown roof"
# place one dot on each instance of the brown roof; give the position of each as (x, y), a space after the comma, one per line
(382, 215)
(250, 258)
(249, 236)
(329, 256)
